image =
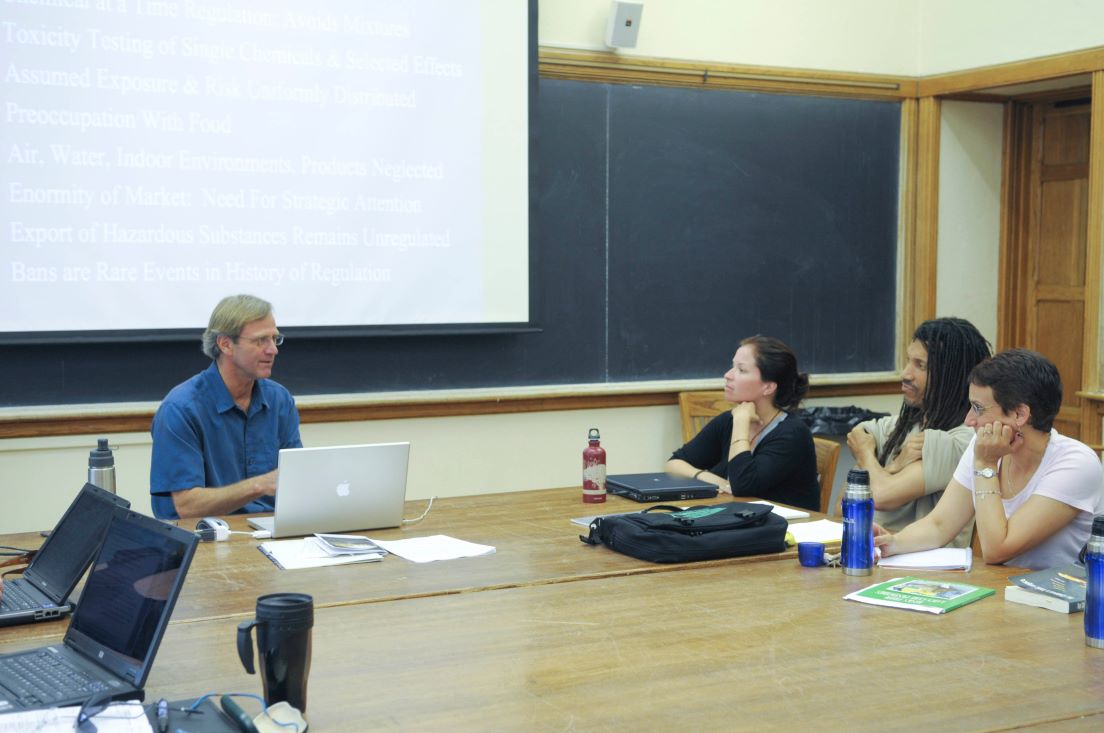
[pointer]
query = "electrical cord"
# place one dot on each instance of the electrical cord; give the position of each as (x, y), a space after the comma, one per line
(222, 533)
(418, 519)
(9, 551)
(209, 534)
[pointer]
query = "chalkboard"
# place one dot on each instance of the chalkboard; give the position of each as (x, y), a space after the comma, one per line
(670, 223)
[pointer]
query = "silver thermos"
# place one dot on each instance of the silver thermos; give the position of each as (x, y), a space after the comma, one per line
(101, 466)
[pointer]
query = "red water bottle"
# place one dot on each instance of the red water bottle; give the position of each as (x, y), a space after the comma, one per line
(594, 470)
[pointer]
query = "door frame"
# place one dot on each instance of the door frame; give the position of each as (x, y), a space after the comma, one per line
(1013, 320)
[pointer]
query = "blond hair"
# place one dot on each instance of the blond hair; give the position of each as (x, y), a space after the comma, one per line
(229, 318)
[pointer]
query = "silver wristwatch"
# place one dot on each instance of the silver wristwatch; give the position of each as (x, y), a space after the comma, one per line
(985, 472)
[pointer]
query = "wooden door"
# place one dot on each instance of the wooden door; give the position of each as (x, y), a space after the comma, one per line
(1043, 288)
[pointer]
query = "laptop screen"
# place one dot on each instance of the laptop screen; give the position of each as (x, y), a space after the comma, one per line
(73, 542)
(130, 594)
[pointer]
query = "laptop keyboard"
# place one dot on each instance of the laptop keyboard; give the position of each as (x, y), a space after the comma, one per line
(42, 678)
(16, 599)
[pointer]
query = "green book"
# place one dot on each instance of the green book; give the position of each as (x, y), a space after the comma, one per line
(920, 594)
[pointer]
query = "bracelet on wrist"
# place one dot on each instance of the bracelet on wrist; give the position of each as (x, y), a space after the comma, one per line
(990, 492)
(699, 473)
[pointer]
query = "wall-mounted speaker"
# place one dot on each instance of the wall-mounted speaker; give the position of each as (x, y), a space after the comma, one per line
(624, 24)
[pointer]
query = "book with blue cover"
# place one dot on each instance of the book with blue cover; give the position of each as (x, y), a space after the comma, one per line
(1065, 584)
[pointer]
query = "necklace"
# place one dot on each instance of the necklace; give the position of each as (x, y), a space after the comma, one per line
(1014, 484)
(765, 424)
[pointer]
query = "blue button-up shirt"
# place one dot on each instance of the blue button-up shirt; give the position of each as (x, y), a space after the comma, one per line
(202, 438)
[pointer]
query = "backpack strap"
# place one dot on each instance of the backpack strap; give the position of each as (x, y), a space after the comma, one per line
(596, 523)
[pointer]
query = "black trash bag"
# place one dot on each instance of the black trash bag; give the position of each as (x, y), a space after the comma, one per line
(836, 420)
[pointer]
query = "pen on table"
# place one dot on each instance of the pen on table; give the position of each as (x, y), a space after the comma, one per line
(163, 715)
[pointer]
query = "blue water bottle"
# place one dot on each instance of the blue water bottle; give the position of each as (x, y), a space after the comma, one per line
(857, 553)
(1094, 589)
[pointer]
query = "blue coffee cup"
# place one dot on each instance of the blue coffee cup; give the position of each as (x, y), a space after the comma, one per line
(810, 554)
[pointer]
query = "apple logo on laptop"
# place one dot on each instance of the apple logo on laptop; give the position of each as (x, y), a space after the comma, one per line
(343, 488)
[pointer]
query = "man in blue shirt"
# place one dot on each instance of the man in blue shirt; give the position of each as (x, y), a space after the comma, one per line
(217, 436)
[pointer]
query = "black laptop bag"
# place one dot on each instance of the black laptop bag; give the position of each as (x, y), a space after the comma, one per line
(672, 534)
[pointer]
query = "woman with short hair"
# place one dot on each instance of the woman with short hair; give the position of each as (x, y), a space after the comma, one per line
(1031, 491)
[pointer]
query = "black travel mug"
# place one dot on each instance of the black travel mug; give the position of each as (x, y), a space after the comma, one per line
(283, 623)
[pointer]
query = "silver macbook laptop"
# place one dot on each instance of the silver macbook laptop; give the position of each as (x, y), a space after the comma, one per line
(338, 489)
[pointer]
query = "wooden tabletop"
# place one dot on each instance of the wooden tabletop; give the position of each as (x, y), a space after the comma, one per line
(756, 647)
(531, 531)
(549, 634)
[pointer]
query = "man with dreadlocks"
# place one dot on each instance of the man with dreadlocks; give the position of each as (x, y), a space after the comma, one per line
(912, 457)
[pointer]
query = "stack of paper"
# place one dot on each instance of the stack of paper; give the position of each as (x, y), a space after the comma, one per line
(338, 545)
(943, 558)
(308, 553)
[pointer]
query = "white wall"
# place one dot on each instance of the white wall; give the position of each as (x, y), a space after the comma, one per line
(965, 34)
(897, 37)
(872, 36)
(969, 213)
(450, 456)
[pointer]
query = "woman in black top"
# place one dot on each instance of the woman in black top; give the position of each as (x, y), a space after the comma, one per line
(757, 448)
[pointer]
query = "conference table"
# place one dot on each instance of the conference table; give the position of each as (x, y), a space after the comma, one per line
(531, 532)
(549, 634)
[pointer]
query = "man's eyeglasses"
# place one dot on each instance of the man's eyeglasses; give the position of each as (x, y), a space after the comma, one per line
(262, 341)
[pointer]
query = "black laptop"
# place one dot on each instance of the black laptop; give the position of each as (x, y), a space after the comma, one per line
(43, 591)
(658, 487)
(116, 629)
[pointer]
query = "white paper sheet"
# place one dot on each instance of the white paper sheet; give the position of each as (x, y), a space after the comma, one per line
(434, 547)
(120, 717)
(943, 558)
(822, 530)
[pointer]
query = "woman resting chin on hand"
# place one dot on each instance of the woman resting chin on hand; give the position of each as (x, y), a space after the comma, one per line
(1031, 491)
(758, 448)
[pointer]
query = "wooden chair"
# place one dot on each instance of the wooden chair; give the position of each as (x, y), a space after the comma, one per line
(828, 453)
(698, 408)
